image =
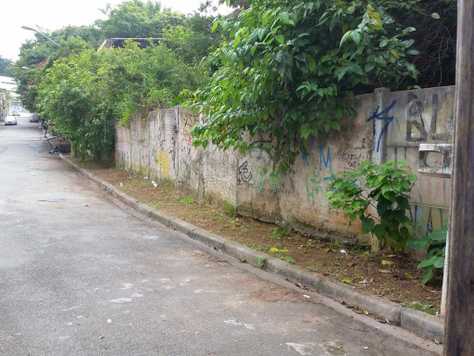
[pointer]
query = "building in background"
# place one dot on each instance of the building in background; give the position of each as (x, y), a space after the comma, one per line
(9, 98)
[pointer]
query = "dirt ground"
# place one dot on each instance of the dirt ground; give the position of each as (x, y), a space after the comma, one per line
(392, 277)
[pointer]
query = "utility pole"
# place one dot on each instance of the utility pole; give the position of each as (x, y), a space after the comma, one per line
(459, 335)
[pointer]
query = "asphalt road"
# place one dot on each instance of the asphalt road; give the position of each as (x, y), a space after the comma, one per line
(81, 276)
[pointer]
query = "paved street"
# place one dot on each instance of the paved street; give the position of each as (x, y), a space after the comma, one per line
(80, 276)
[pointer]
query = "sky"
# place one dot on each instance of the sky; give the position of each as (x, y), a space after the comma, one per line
(55, 14)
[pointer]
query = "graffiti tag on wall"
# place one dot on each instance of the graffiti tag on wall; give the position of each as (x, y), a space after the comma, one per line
(244, 174)
(323, 173)
(386, 121)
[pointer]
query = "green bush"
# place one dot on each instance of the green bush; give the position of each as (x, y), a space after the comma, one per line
(378, 195)
(85, 94)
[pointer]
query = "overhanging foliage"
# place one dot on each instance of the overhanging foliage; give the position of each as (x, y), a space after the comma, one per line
(289, 70)
(85, 94)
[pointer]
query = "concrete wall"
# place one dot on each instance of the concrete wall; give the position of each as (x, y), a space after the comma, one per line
(160, 146)
(421, 133)
(415, 126)
(299, 197)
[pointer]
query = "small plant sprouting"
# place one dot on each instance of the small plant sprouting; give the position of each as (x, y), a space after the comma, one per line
(229, 210)
(261, 261)
(434, 243)
(187, 200)
(424, 307)
(279, 232)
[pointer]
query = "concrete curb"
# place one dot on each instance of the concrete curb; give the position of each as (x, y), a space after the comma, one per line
(419, 323)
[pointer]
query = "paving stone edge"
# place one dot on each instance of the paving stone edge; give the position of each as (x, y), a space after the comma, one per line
(419, 323)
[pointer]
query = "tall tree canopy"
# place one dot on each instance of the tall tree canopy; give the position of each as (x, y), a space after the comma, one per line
(189, 36)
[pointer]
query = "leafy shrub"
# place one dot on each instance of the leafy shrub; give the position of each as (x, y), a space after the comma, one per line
(126, 81)
(434, 243)
(378, 195)
(435, 37)
(85, 94)
(288, 70)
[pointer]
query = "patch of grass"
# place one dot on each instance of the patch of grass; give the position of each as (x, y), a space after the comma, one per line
(282, 254)
(424, 307)
(186, 200)
(229, 209)
(279, 233)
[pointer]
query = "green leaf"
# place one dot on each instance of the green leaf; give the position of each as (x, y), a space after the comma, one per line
(215, 26)
(428, 262)
(356, 37)
(427, 276)
(280, 39)
(345, 38)
(285, 18)
(439, 262)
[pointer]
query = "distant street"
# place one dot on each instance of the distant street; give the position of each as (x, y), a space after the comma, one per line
(80, 276)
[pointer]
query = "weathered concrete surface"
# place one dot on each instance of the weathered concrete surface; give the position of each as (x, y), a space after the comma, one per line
(79, 276)
(415, 126)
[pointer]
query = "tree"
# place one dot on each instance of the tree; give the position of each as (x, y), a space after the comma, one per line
(39, 54)
(140, 19)
(288, 70)
(84, 95)
(435, 38)
(189, 37)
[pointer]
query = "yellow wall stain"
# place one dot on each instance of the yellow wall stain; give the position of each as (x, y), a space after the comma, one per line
(163, 161)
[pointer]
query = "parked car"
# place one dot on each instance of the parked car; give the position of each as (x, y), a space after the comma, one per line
(10, 120)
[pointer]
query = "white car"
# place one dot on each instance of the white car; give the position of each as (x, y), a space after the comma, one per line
(10, 120)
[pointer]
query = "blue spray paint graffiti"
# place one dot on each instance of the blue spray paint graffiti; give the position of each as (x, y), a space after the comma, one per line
(305, 158)
(386, 119)
(326, 161)
(324, 173)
